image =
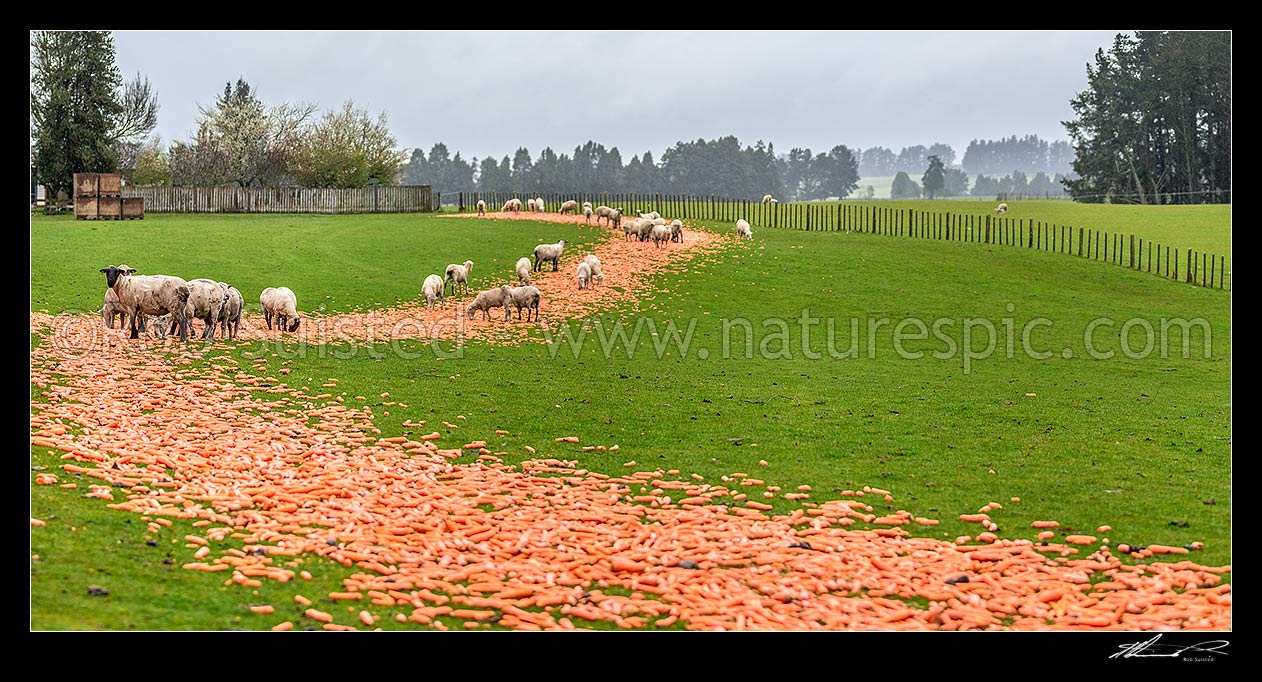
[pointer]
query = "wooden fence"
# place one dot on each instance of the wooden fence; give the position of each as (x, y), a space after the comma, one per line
(1126, 250)
(232, 199)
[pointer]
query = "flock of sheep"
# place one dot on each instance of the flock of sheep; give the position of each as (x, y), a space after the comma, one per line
(172, 301)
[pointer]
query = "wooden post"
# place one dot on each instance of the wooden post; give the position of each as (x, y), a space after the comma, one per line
(1132, 252)
(1203, 269)
(1222, 271)
(1211, 271)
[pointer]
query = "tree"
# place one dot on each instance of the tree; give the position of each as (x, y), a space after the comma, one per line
(934, 178)
(955, 183)
(943, 151)
(74, 106)
(347, 148)
(842, 176)
(904, 187)
(877, 162)
(1154, 125)
(521, 170)
(912, 159)
(151, 166)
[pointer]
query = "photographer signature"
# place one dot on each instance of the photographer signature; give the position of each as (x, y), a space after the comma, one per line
(1138, 649)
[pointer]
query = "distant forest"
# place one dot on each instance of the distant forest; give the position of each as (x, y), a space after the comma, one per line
(724, 167)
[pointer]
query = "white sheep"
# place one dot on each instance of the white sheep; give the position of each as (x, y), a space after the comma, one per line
(615, 218)
(1001, 208)
(584, 275)
(742, 230)
(645, 230)
(659, 221)
(587, 204)
(594, 263)
(530, 205)
(677, 231)
(523, 270)
(151, 295)
(508, 206)
(280, 304)
(767, 199)
(602, 212)
(230, 315)
(481, 207)
(491, 298)
(587, 215)
(570, 206)
(539, 205)
(205, 303)
(433, 290)
(546, 252)
(113, 308)
(458, 275)
(661, 235)
(525, 297)
(516, 205)
(652, 215)
(631, 228)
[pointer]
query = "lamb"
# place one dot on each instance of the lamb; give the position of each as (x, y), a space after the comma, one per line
(481, 207)
(677, 231)
(458, 275)
(603, 212)
(570, 206)
(661, 235)
(546, 252)
(205, 302)
(523, 270)
(1001, 208)
(433, 289)
(113, 308)
(149, 295)
(587, 214)
(525, 297)
(230, 315)
(584, 275)
(279, 303)
(491, 298)
(742, 230)
(594, 263)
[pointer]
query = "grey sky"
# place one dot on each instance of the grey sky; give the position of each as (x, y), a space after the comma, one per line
(489, 92)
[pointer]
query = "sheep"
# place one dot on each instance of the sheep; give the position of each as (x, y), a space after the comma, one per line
(113, 308)
(434, 290)
(509, 206)
(631, 228)
(602, 212)
(677, 231)
(587, 214)
(516, 205)
(645, 230)
(653, 215)
(587, 204)
(767, 199)
(230, 315)
(546, 252)
(661, 234)
(149, 295)
(481, 207)
(742, 230)
(584, 275)
(279, 303)
(616, 218)
(659, 221)
(594, 263)
(525, 297)
(458, 275)
(570, 206)
(539, 205)
(523, 270)
(1001, 208)
(205, 302)
(530, 205)
(158, 326)
(491, 298)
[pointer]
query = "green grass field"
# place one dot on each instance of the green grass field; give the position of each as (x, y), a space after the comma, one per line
(1139, 443)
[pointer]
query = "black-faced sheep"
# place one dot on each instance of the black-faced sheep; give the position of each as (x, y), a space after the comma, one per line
(151, 295)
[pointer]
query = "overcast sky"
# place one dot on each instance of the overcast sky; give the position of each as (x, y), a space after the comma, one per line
(490, 92)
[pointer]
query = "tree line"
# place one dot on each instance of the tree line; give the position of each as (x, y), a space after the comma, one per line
(1027, 154)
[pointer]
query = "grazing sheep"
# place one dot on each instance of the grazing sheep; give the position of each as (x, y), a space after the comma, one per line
(631, 228)
(151, 295)
(539, 205)
(491, 298)
(548, 252)
(603, 212)
(584, 275)
(434, 290)
(742, 230)
(230, 316)
(661, 235)
(645, 230)
(677, 231)
(767, 199)
(516, 205)
(594, 263)
(458, 275)
(1001, 208)
(523, 270)
(113, 308)
(587, 214)
(481, 207)
(279, 303)
(525, 297)
(508, 206)
(570, 206)
(530, 205)
(205, 302)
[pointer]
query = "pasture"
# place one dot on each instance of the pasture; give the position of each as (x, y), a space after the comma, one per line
(1136, 441)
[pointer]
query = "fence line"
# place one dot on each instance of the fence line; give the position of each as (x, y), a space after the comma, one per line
(1123, 250)
(232, 199)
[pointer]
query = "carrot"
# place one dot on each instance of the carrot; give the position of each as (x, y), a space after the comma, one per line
(287, 625)
(321, 616)
(337, 627)
(346, 596)
(302, 600)
(1080, 539)
(263, 609)
(974, 518)
(626, 565)
(1045, 524)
